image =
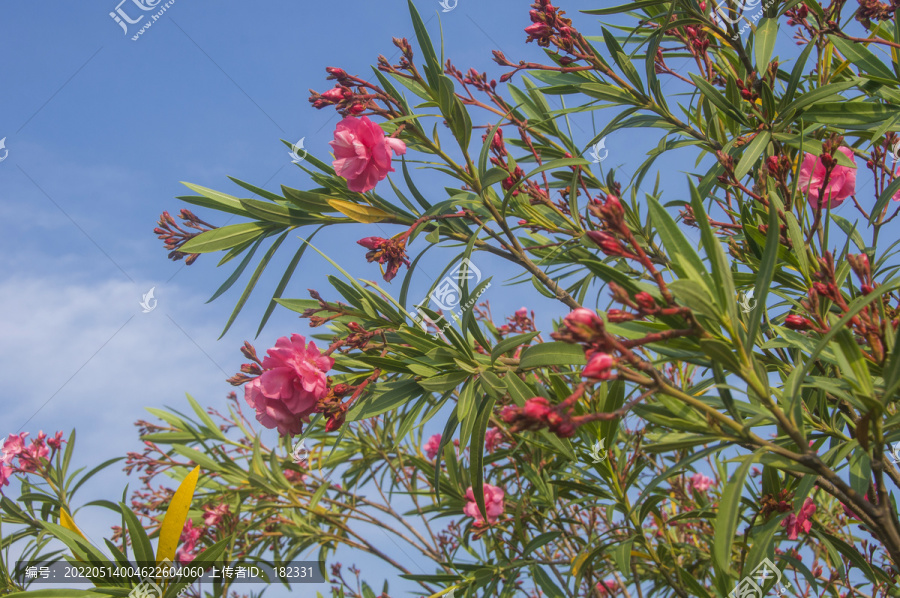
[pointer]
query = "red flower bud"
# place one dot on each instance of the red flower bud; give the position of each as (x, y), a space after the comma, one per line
(599, 366)
(336, 72)
(795, 322)
(357, 108)
(537, 408)
(335, 94)
(645, 300)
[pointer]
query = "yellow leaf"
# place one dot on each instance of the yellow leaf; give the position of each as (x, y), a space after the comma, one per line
(357, 212)
(67, 522)
(176, 514)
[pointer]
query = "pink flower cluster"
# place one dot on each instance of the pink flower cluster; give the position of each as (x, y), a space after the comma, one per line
(700, 482)
(493, 504)
(29, 456)
(190, 535)
(213, 515)
(362, 153)
(794, 524)
(841, 182)
(293, 381)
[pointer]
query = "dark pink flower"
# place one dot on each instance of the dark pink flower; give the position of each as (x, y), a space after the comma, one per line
(522, 312)
(493, 504)
(599, 367)
(432, 446)
(492, 438)
(841, 183)
(362, 153)
(794, 524)
(213, 515)
(293, 381)
(700, 482)
(5, 473)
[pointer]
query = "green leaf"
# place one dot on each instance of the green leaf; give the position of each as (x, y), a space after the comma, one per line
(766, 269)
(551, 354)
(432, 66)
(752, 152)
(685, 261)
(225, 237)
(140, 542)
(718, 100)
(727, 517)
(860, 56)
(764, 42)
(511, 343)
(883, 200)
(849, 114)
(251, 284)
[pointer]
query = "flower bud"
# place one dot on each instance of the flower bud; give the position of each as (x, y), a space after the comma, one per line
(336, 72)
(795, 322)
(599, 366)
(509, 414)
(645, 301)
(536, 408)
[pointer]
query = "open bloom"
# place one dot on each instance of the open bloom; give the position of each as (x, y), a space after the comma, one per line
(13, 447)
(841, 183)
(432, 446)
(492, 438)
(190, 535)
(493, 504)
(794, 524)
(5, 473)
(362, 153)
(700, 482)
(213, 515)
(294, 379)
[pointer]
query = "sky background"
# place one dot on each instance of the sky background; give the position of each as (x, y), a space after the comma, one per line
(100, 130)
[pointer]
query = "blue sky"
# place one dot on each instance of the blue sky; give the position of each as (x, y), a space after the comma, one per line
(100, 130)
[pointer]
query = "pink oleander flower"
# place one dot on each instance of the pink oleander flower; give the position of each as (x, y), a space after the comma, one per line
(794, 524)
(841, 183)
(493, 504)
(190, 535)
(599, 366)
(13, 447)
(362, 153)
(30, 457)
(522, 312)
(432, 446)
(492, 439)
(607, 586)
(700, 482)
(292, 382)
(5, 473)
(213, 515)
